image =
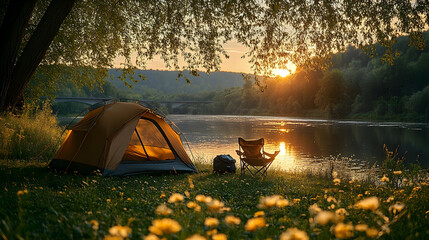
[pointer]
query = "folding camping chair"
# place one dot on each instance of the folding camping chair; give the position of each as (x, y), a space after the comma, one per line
(253, 158)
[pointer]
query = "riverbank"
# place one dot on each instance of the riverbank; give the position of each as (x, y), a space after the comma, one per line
(40, 204)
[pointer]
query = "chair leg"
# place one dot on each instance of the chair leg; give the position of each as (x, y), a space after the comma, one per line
(251, 172)
(265, 173)
(262, 170)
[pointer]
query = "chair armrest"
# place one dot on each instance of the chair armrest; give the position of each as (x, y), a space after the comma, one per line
(272, 155)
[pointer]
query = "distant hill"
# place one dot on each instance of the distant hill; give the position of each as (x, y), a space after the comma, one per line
(165, 81)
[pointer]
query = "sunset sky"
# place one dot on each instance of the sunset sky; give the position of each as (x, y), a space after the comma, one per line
(235, 62)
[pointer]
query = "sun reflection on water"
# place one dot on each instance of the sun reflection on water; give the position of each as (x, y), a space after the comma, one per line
(284, 130)
(287, 156)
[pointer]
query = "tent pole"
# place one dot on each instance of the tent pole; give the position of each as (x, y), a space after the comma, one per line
(144, 149)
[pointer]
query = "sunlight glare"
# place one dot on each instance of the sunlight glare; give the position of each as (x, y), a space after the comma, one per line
(282, 147)
(281, 72)
(287, 155)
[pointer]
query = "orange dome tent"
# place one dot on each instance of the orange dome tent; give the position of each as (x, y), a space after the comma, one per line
(122, 138)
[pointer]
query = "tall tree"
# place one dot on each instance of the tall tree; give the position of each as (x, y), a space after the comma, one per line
(84, 33)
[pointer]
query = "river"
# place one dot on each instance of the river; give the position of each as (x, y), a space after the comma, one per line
(307, 143)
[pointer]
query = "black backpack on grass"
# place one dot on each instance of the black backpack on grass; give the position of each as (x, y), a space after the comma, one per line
(224, 163)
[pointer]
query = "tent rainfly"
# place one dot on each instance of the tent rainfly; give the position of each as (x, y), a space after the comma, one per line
(120, 139)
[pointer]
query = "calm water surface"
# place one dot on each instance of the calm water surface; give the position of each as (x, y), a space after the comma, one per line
(306, 143)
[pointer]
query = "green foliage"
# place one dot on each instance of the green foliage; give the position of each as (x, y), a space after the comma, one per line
(24, 136)
(63, 206)
(331, 92)
(191, 34)
(48, 79)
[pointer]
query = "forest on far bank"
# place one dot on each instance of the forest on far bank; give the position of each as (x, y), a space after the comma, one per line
(356, 85)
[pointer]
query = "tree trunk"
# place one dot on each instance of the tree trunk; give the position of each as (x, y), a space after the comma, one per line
(15, 20)
(35, 50)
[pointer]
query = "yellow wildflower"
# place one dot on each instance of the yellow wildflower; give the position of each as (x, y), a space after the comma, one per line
(294, 234)
(208, 199)
(282, 203)
(191, 184)
(176, 197)
(372, 232)
(211, 222)
(196, 237)
(385, 179)
(215, 205)
(162, 195)
(254, 224)
(219, 236)
(370, 203)
(120, 231)
(109, 237)
(397, 172)
(200, 198)
(314, 209)
(187, 194)
(232, 220)
(343, 231)
(361, 227)
(211, 232)
(324, 217)
(164, 226)
(224, 209)
(351, 181)
(389, 199)
(415, 189)
(197, 208)
(163, 210)
(191, 204)
(337, 181)
(108, 200)
(151, 236)
(268, 202)
(94, 224)
(113, 189)
(259, 214)
(397, 207)
(129, 199)
(296, 200)
(331, 199)
(341, 211)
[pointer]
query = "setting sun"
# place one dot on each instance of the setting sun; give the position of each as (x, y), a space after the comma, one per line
(281, 72)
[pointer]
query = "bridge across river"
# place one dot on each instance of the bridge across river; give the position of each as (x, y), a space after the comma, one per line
(92, 100)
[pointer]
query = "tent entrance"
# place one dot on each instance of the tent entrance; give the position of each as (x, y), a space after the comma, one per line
(147, 144)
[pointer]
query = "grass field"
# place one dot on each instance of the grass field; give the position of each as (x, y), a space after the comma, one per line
(37, 203)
